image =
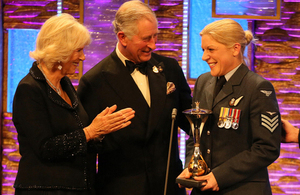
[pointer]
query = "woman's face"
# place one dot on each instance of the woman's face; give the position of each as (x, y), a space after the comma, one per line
(219, 58)
(69, 67)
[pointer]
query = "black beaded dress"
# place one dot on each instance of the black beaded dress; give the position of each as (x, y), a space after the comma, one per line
(55, 157)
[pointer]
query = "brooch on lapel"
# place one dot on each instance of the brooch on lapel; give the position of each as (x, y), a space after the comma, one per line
(157, 70)
(170, 87)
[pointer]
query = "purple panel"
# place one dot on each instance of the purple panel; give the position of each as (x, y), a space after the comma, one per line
(98, 17)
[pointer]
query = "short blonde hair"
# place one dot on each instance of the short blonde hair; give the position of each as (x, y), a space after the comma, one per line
(59, 36)
(129, 14)
(228, 32)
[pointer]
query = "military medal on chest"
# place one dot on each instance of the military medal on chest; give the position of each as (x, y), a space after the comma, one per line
(229, 118)
(221, 122)
(236, 118)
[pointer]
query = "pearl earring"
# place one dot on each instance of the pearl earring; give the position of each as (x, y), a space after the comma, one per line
(59, 67)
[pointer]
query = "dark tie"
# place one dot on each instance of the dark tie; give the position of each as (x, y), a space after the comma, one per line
(142, 67)
(220, 82)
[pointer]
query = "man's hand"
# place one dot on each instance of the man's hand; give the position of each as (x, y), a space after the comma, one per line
(290, 133)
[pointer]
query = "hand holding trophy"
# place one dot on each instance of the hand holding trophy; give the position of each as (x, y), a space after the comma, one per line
(197, 166)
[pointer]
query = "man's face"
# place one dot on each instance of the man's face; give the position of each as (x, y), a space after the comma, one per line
(140, 46)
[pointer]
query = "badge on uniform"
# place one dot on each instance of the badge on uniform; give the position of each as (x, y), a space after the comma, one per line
(271, 123)
(235, 102)
(229, 118)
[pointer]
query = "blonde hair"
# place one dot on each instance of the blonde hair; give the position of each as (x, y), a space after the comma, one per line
(59, 36)
(129, 14)
(228, 32)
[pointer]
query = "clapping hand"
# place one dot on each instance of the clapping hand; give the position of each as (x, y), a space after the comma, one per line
(109, 121)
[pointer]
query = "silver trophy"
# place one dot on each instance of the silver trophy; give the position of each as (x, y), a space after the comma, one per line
(197, 166)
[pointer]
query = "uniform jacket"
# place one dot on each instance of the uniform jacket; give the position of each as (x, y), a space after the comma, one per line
(52, 144)
(133, 160)
(239, 157)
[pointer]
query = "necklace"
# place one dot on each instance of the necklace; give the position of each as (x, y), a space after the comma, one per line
(55, 88)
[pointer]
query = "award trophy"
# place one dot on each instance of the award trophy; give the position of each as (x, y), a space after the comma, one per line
(197, 166)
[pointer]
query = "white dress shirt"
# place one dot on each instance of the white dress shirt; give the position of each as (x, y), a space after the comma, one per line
(140, 79)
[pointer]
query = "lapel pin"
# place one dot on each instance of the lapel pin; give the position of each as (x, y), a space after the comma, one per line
(155, 70)
(160, 69)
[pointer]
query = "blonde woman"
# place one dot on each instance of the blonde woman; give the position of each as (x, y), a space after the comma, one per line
(242, 136)
(56, 140)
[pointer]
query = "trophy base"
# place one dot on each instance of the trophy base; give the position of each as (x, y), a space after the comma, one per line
(190, 183)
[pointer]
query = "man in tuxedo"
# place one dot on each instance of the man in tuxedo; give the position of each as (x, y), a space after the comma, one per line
(134, 160)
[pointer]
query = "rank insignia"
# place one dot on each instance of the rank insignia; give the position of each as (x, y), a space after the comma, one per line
(270, 123)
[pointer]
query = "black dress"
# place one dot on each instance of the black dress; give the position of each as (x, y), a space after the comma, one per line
(55, 157)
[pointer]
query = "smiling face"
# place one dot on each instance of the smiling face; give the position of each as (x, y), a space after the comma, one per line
(139, 48)
(220, 58)
(69, 67)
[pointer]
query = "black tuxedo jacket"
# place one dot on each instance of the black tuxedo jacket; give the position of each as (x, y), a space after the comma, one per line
(133, 160)
(239, 157)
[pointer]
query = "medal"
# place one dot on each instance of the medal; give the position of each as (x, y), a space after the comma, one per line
(236, 119)
(222, 117)
(221, 122)
(228, 122)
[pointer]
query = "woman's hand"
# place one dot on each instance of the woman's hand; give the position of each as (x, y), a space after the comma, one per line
(210, 182)
(107, 122)
(184, 174)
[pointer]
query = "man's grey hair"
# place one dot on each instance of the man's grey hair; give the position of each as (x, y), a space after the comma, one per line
(129, 14)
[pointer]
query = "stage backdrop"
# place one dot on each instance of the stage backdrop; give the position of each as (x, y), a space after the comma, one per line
(276, 58)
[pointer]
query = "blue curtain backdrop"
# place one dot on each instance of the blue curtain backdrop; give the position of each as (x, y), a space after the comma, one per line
(20, 43)
(200, 15)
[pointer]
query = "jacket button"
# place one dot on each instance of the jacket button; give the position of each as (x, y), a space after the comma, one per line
(208, 151)
(208, 132)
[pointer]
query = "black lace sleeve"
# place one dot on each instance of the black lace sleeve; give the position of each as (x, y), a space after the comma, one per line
(65, 146)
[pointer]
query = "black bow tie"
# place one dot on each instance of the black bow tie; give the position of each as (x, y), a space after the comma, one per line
(142, 67)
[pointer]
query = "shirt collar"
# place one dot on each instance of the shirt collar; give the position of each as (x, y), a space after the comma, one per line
(230, 73)
(120, 55)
